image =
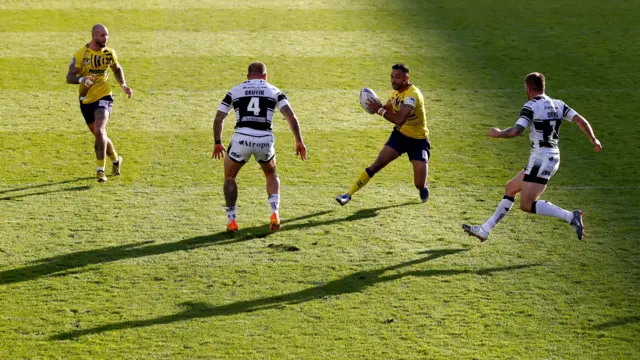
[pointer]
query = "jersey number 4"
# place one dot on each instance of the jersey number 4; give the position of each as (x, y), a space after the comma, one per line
(254, 106)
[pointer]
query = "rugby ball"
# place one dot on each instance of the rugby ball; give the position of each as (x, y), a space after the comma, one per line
(366, 95)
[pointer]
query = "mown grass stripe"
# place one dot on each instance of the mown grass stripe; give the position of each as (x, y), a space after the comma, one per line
(342, 44)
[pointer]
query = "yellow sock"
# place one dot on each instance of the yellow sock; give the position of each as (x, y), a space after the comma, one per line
(360, 183)
(113, 157)
(100, 163)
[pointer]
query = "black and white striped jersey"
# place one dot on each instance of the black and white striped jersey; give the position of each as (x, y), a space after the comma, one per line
(254, 102)
(543, 116)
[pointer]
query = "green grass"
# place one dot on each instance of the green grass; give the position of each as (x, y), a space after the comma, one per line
(139, 268)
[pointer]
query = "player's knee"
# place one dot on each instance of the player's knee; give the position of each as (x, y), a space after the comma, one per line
(101, 134)
(511, 190)
(525, 206)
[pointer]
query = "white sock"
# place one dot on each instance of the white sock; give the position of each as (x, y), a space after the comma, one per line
(98, 168)
(274, 201)
(231, 213)
(545, 208)
(501, 211)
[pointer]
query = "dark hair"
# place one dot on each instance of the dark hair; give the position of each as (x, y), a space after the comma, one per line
(257, 68)
(535, 81)
(400, 67)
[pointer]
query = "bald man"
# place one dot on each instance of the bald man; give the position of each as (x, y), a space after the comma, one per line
(89, 69)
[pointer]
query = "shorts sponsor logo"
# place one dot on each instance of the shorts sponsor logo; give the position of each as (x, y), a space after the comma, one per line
(260, 145)
(104, 103)
(233, 153)
(545, 173)
(73, 62)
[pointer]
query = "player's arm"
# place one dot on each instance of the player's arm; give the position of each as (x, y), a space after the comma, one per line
(513, 131)
(72, 77)
(399, 117)
(584, 125)
(118, 72)
(218, 124)
(294, 125)
(526, 117)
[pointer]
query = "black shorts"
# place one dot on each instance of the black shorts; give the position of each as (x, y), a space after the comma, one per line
(416, 149)
(88, 110)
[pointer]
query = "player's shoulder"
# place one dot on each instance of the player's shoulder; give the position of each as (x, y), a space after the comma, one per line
(530, 104)
(82, 49)
(109, 51)
(413, 91)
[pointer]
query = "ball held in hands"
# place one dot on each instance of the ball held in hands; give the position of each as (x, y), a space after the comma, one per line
(366, 96)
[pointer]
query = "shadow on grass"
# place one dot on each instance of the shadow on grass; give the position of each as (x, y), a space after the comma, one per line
(44, 185)
(617, 322)
(75, 188)
(352, 283)
(59, 265)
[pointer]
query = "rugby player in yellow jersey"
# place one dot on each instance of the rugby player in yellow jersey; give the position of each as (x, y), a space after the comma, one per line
(405, 109)
(90, 69)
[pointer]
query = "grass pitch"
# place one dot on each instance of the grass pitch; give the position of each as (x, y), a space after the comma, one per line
(139, 267)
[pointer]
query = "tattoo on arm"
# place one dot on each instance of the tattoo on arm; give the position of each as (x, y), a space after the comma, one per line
(292, 119)
(218, 125)
(72, 75)
(517, 130)
(119, 74)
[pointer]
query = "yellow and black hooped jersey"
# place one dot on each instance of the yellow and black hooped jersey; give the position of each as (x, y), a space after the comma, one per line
(96, 64)
(416, 125)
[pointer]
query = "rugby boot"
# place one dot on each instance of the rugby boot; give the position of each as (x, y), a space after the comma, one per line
(274, 222)
(577, 224)
(115, 167)
(102, 178)
(232, 226)
(477, 231)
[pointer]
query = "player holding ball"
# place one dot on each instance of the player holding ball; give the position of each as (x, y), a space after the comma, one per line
(405, 109)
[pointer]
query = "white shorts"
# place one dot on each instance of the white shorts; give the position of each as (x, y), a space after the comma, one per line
(242, 146)
(541, 167)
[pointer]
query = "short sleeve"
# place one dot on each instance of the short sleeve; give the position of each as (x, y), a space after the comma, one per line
(225, 104)
(568, 113)
(526, 116)
(76, 60)
(115, 57)
(281, 100)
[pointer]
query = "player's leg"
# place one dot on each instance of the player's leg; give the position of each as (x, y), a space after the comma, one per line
(419, 156)
(101, 116)
(116, 160)
(230, 189)
(513, 187)
(394, 147)
(263, 149)
(534, 185)
(273, 191)
(386, 155)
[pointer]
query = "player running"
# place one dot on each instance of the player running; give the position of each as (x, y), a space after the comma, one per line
(254, 102)
(405, 109)
(543, 116)
(90, 69)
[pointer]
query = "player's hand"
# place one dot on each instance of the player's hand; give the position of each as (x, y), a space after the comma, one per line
(301, 150)
(218, 151)
(127, 90)
(494, 132)
(374, 105)
(597, 147)
(88, 81)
